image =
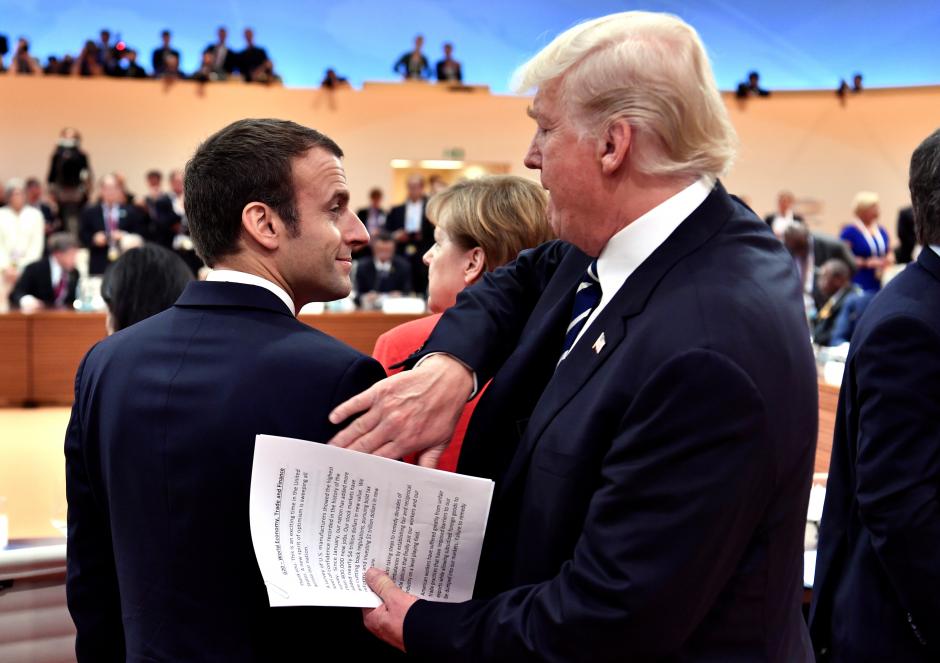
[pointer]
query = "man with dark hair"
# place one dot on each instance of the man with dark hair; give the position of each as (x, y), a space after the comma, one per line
(159, 448)
(448, 69)
(222, 62)
(412, 230)
(162, 219)
(160, 55)
(810, 252)
(104, 225)
(835, 285)
(876, 595)
(50, 282)
(381, 273)
(252, 58)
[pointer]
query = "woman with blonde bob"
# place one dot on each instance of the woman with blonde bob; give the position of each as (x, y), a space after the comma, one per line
(480, 225)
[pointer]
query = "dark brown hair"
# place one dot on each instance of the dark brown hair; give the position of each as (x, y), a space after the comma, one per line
(247, 161)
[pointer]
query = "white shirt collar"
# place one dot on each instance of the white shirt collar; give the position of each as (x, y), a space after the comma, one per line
(234, 276)
(936, 248)
(631, 246)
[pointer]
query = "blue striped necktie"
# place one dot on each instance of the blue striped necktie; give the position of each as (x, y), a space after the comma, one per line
(586, 299)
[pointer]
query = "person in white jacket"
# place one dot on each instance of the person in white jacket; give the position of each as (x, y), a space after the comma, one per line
(21, 237)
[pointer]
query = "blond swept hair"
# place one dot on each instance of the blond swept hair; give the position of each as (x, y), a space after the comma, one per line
(502, 214)
(864, 200)
(650, 69)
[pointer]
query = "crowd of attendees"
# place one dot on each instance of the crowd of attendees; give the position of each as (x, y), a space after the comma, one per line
(115, 58)
(752, 86)
(48, 224)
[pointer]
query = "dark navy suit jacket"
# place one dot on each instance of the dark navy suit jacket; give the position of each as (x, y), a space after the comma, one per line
(651, 492)
(876, 594)
(158, 466)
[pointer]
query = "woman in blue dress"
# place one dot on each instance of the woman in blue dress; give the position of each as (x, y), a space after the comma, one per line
(868, 242)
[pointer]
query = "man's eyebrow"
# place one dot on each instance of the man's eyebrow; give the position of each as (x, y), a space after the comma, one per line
(341, 197)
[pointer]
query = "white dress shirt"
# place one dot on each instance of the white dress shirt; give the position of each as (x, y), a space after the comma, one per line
(631, 246)
(413, 213)
(936, 248)
(234, 276)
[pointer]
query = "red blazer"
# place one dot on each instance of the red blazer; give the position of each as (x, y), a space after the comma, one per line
(398, 344)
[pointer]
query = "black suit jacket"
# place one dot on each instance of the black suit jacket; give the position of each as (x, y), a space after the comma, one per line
(36, 280)
(396, 221)
(907, 235)
(92, 221)
(231, 57)
(158, 57)
(398, 278)
(158, 466)
(250, 59)
(651, 492)
(877, 586)
(826, 248)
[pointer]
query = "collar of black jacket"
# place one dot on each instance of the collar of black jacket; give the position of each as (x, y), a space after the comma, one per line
(231, 295)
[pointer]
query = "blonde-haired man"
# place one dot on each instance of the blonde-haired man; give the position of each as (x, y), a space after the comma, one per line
(652, 419)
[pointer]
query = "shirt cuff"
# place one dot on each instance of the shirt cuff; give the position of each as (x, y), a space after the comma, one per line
(472, 372)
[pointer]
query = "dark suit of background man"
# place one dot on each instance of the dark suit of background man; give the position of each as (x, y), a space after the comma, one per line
(877, 588)
(159, 57)
(252, 57)
(383, 271)
(413, 232)
(810, 252)
(652, 476)
(907, 236)
(224, 60)
(159, 447)
(102, 226)
(50, 282)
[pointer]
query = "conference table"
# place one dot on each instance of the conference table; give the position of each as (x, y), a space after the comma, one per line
(41, 351)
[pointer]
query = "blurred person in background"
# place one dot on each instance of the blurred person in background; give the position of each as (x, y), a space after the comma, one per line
(784, 215)
(131, 69)
(34, 198)
(413, 65)
(106, 54)
(22, 62)
(868, 241)
(835, 285)
(158, 59)
(409, 225)
(51, 282)
(751, 87)
(22, 236)
(448, 69)
(332, 80)
(373, 217)
(223, 62)
(162, 218)
(182, 242)
(382, 273)
(171, 69)
(88, 62)
(810, 251)
(480, 225)
(143, 282)
(70, 177)
(251, 60)
(104, 225)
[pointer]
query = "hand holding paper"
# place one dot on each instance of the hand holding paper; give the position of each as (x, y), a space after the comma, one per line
(321, 516)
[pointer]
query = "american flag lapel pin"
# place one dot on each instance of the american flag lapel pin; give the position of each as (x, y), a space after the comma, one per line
(599, 343)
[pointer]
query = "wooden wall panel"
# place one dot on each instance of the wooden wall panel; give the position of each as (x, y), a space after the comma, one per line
(14, 359)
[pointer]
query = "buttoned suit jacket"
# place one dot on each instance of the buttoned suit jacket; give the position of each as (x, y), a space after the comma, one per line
(876, 595)
(651, 491)
(159, 454)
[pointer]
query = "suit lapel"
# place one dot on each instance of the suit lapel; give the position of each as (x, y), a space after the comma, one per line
(606, 333)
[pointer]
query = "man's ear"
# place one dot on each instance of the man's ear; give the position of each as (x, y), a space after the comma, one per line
(476, 265)
(614, 145)
(260, 224)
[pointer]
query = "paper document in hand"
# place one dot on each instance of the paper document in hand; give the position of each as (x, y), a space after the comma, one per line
(321, 516)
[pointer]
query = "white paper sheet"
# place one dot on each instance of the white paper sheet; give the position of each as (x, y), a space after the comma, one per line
(321, 516)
